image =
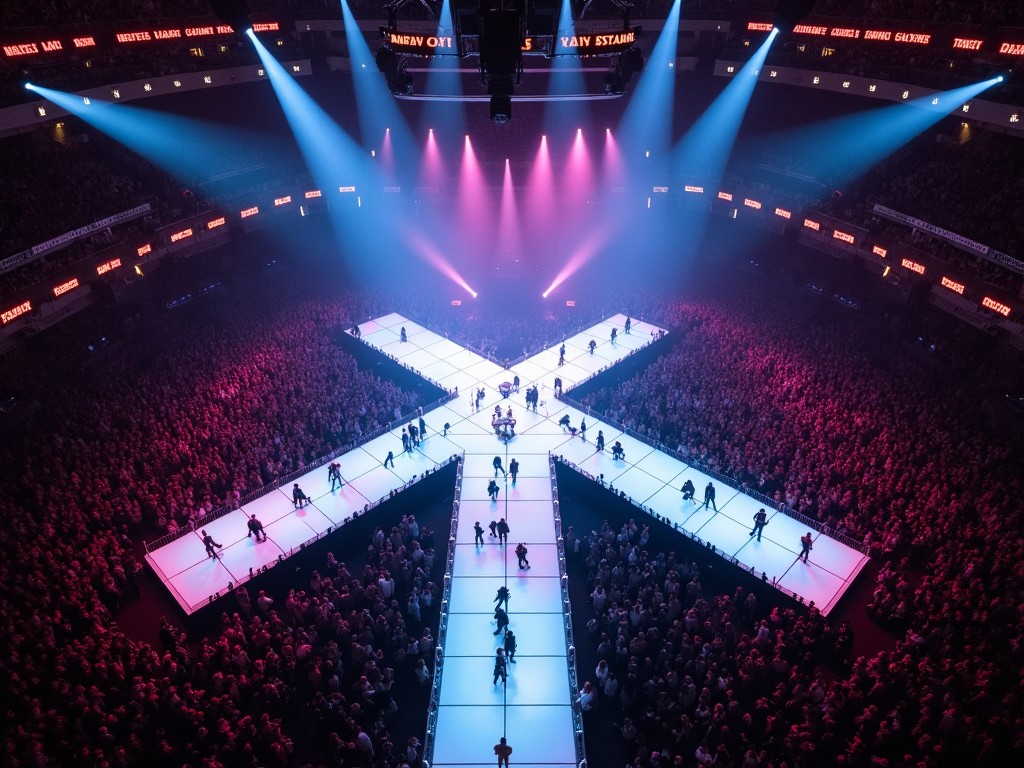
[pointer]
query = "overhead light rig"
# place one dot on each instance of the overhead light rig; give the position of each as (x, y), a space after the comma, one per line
(500, 33)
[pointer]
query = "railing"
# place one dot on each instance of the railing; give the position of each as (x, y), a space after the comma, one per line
(281, 480)
(661, 334)
(690, 534)
(442, 631)
(232, 585)
(732, 482)
(451, 394)
(570, 643)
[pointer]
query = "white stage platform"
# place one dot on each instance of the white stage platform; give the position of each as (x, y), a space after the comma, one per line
(534, 710)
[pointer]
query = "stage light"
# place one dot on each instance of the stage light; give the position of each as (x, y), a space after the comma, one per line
(29, 87)
(999, 79)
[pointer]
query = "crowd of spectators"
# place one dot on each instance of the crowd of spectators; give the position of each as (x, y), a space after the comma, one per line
(687, 678)
(178, 421)
(837, 424)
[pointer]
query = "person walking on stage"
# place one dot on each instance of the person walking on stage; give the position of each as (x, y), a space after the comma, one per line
(492, 490)
(806, 545)
(521, 552)
(334, 475)
(627, 324)
(513, 470)
(688, 491)
(583, 430)
(501, 596)
(390, 459)
(600, 440)
(211, 545)
(592, 345)
(299, 499)
(503, 530)
(760, 521)
(502, 619)
(498, 468)
(561, 355)
(256, 527)
(615, 334)
(479, 532)
(709, 496)
(502, 750)
(510, 646)
(500, 668)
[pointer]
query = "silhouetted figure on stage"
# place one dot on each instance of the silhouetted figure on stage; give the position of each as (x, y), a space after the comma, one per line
(564, 421)
(521, 552)
(502, 619)
(600, 440)
(627, 324)
(510, 646)
(356, 332)
(760, 521)
(688, 490)
(561, 355)
(256, 527)
(502, 750)
(502, 596)
(592, 345)
(211, 545)
(503, 531)
(583, 430)
(615, 334)
(618, 452)
(500, 670)
(513, 470)
(334, 475)
(498, 468)
(478, 533)
(390, 460)
(709, 496)
(492, 490)
(515, 383)
(299, 499)
(404, 336)
(806, 545)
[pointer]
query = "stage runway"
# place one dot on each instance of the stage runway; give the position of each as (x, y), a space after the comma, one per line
(534, 709)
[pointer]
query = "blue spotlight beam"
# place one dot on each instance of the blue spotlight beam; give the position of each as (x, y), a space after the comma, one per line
(336, 160)
(183, 147)
(704, 150)
(849, 146)
(443, 78)
(376, 108)
(566, 78)
(647, 123)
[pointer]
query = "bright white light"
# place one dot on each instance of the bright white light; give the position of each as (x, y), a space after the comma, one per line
(29, 87)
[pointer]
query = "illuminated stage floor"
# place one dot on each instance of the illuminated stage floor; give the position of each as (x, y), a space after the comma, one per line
(534, 709)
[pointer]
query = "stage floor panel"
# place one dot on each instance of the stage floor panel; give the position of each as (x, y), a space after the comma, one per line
(535, 710)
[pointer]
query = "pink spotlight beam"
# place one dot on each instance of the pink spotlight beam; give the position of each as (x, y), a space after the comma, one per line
(584, 253)
(433, 257)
